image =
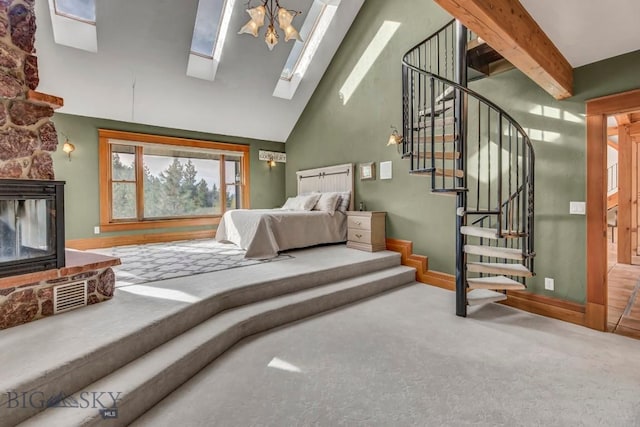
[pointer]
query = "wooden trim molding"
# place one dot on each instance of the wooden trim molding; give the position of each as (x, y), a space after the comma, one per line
(509, 29)
(137, 239)
(421, 264)
(598, 110)
(539, 304)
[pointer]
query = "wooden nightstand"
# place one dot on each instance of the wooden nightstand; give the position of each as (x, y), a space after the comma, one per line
(366, 230)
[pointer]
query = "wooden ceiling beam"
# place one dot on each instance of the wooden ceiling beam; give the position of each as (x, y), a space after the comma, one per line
(623, 119)
(511, 31)
(613, 130)
(612, 144)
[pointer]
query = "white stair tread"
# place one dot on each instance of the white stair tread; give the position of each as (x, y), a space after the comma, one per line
(494, 252)
(439, 108)
(494, 282)
(487, 232)
(484, 296)
(499, 268)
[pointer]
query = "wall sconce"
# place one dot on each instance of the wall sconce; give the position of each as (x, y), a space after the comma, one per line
(395, 138)
(271, 162)
(271, 157)
(68, 147)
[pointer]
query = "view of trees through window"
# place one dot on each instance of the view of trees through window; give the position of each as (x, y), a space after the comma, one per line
(175, 183)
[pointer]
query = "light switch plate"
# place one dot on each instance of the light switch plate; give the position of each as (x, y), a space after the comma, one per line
(386, 169)
(577, 208)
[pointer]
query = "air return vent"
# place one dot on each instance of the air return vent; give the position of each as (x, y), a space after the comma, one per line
(69, 296)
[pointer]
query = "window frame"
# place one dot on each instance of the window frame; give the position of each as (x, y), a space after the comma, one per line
(107, 223)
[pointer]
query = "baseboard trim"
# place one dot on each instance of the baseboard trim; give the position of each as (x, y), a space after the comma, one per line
(421, 264)
(539, 304)
(137, 239)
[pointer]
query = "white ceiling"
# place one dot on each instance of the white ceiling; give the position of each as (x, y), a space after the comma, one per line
(139, 71)
(587, 31)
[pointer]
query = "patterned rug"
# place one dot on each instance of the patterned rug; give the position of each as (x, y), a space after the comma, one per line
(160, 261)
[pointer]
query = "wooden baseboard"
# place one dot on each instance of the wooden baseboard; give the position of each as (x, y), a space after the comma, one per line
(137, 239)
(546, 306)
(421, 264)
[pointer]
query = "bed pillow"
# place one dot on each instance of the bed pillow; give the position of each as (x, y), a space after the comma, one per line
(309, 201)
(327, 202)
(292, 203)
(344, 202)
(302, 202)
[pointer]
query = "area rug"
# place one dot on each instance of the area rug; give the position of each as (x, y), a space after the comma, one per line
(160, 261)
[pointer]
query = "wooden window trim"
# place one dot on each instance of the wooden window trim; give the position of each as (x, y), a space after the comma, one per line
(104, 169)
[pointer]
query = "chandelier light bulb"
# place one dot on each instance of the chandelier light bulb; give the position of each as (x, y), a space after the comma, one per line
(271, 37)
(257, 14)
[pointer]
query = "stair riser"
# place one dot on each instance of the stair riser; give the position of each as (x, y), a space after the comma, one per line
(86, 370)
(139, 398)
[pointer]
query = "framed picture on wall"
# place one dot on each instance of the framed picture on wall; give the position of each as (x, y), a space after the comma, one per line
(367, 171)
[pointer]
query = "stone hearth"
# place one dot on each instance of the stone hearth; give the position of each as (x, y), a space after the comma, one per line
(30, 296)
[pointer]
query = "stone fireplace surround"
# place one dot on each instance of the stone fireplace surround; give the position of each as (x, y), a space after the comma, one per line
(27, 139)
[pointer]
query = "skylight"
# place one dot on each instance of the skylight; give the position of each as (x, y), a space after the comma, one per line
(81, 10)
(205, 30)
(313, 30)
(317, 8)
(209, 33)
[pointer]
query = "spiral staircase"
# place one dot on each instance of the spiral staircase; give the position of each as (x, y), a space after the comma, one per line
(475, 151)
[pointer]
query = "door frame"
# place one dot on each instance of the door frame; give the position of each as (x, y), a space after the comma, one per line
(597, 110)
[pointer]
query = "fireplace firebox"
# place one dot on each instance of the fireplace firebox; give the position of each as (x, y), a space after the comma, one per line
(31, 226)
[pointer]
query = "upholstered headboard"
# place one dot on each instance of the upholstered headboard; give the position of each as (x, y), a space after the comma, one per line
(330, 178)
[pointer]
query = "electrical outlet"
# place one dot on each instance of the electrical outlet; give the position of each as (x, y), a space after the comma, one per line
(96, 230)
(549, 283)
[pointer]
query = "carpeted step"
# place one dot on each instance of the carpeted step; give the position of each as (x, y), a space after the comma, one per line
(484, 296)
(145, 381)
(84, 345)
(494, 252)
(518, 270)
(494, 282)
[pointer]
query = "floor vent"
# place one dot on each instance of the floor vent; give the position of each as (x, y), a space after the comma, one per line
(69, 296)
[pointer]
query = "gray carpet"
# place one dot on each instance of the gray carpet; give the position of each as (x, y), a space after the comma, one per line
(161, 261)
(404, 359)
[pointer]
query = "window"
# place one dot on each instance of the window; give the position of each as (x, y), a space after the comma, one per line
(80, 10)
(150, 181)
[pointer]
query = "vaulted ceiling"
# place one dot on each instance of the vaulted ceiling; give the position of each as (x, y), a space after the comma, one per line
(138, 72)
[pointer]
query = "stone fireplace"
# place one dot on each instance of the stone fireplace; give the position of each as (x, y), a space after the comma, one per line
(35, 268)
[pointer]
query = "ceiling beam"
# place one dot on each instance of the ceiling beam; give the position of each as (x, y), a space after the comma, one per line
(511, 31)
(612, 144)
(623, 119)
(613, 130)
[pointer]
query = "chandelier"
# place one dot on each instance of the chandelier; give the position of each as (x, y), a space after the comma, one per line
(271, 9)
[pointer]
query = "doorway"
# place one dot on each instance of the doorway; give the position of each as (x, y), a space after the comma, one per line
(613, 187)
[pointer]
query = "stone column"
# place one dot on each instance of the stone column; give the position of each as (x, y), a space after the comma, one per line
(27, 136)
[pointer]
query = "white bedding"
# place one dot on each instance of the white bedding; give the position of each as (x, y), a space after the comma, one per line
(265, 232)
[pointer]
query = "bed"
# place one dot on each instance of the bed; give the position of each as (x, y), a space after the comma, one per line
(263, 233)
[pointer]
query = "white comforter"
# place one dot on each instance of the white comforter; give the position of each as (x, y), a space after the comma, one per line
(265, 232)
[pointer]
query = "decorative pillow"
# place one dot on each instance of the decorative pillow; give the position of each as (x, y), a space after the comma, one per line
(344, 201)
(327, 202)
(309, 201)
(292, 203)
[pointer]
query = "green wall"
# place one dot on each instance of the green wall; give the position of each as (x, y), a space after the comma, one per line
(81, 173)
(331, 132)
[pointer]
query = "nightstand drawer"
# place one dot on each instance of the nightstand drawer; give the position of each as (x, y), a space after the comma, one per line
(359, 222)
(361, 236)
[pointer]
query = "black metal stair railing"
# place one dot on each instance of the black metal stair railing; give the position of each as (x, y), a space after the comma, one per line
(467, 144)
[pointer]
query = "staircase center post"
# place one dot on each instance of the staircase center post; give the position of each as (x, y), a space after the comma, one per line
(461, 199)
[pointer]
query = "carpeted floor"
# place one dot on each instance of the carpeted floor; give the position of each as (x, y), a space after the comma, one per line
(160, 261)
(405, 359)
